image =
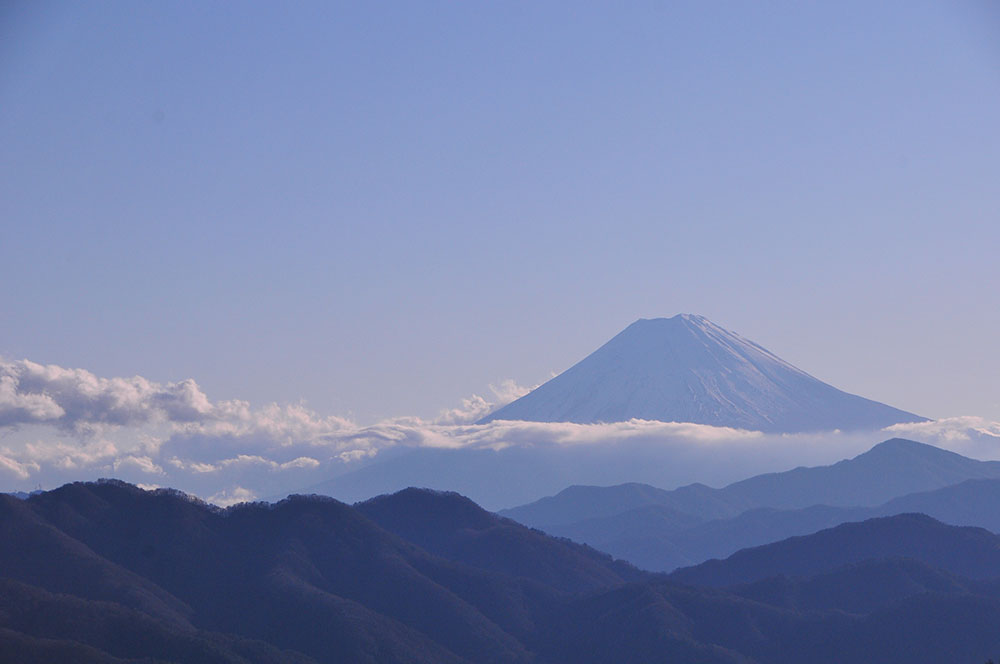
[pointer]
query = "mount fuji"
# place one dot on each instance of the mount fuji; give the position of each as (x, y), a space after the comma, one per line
(688, 369)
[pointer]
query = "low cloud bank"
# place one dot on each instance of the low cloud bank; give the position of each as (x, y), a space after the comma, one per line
(59, 425)
(969, 435)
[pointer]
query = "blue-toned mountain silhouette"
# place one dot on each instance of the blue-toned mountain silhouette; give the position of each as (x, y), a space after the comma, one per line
(688, 369)
(662, 530)
(105, 573)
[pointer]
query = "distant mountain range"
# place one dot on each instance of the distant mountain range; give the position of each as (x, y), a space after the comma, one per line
(683, 369)
(106, 572)
(661, 530)
(688, 369)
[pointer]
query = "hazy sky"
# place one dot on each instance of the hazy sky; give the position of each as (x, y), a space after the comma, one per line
(381, 208)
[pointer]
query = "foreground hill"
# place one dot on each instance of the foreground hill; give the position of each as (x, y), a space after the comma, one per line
(308, 574)
(859, 588)
(106, 572)
(453, 527)
(688, 369)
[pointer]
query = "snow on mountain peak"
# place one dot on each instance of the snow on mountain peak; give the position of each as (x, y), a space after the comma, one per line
(688, 369)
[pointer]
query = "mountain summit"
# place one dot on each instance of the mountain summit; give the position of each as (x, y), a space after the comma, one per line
(688, 369)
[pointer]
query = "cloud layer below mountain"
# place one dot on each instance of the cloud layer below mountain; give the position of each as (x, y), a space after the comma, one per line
(59, 424)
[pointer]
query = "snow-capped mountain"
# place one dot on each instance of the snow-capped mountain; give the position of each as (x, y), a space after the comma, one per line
(688, 369)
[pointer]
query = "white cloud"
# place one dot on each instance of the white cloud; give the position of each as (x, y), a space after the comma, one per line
(65, 424)
(969, 435)
(141, 463)
(476, 407)
(20, 470)
(508, 390)
(247, 460)
(472, 409)
(498, 434)
(280, 424)
(69, 453)
(17, 407)
(233, 496)
(948, 429)
(191, 466)
(77, 400)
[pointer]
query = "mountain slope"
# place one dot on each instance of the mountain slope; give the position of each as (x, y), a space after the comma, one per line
(891, 469)
(314, 580)
(636, 537)
(661, 530)
(58, 626)
(688, 369)
(308, 574)
(659, 622)
(963, 550)
(644, 537)
(974, 502)
(860, 587)
(453, 527)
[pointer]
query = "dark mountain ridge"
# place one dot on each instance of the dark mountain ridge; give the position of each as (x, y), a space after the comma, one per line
(307, 571)
(158, 577)
(452, 526)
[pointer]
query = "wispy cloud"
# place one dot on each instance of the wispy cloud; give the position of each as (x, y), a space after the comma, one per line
(18, 469)
(476, 407)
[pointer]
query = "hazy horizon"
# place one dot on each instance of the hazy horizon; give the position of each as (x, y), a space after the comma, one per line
(61, 424)
(281, 238)
(379, 210)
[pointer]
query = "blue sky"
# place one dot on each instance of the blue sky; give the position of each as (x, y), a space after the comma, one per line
(380, 208)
